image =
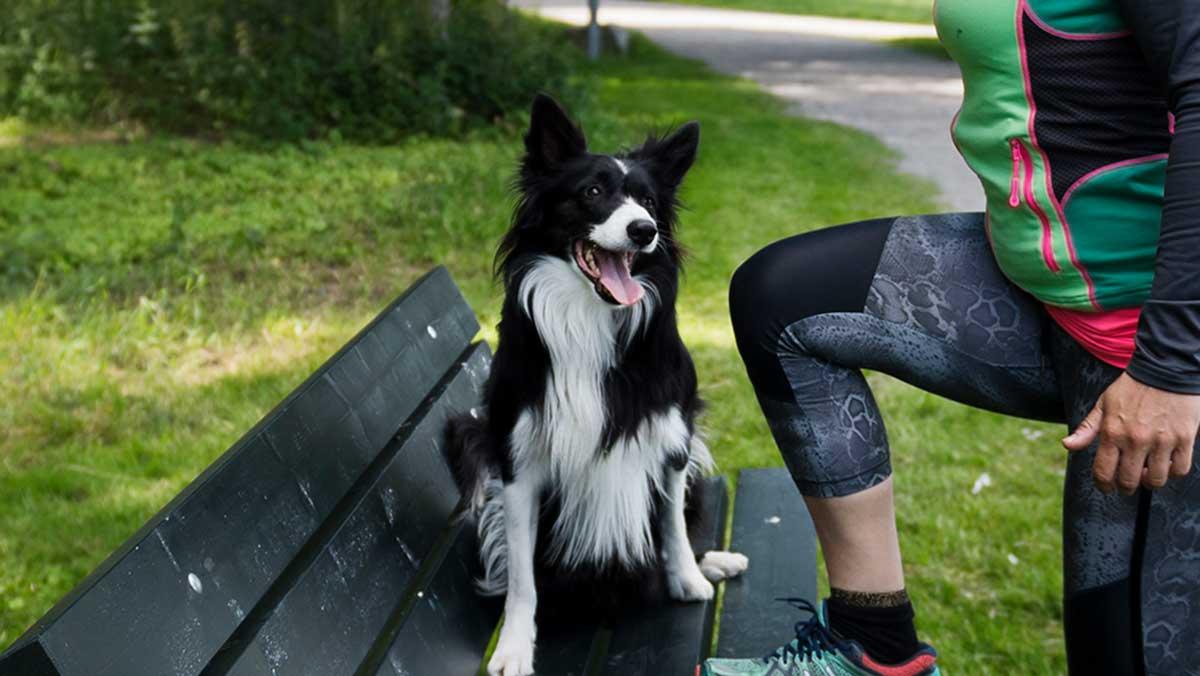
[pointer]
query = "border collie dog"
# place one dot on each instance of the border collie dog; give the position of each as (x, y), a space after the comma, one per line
(578, 473)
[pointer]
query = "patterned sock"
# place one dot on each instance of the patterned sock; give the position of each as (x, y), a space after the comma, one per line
(882, 623)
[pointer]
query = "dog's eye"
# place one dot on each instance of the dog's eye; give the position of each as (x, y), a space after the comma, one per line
(592, 191)
(648, 202)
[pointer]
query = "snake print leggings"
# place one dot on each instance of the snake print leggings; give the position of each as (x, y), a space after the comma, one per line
(922, 299)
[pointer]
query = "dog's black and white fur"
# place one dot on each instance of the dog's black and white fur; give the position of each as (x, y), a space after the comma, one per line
(578, 473)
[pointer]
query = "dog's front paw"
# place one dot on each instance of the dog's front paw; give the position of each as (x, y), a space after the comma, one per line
(512, 660)
(717, 566)
(689, 585)
(514, 650)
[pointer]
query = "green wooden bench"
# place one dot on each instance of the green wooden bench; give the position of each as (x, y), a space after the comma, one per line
(324, 542)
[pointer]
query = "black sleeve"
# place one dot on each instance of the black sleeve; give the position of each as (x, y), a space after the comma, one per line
(1168, 338)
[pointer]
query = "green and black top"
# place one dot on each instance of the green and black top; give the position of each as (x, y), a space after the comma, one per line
(1082, 120)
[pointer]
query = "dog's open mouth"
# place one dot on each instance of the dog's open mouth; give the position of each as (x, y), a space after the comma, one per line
(609, 272)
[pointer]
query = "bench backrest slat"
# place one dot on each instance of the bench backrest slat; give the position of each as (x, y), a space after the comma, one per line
(175, 592)
(367, 556)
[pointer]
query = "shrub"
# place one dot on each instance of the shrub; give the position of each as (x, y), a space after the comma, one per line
(360, 69)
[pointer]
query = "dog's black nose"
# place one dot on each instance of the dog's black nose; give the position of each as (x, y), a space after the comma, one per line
(642, 232)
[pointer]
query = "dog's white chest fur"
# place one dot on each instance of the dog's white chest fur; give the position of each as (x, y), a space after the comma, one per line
(606, 495)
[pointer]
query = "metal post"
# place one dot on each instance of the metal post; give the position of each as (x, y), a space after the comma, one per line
(439, 11)
(593, 32)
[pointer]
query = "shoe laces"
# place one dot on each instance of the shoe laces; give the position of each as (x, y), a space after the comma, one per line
(813, 639)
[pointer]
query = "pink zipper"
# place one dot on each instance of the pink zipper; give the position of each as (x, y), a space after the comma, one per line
(1026, 161)
(1018, 167)
(1022, 182)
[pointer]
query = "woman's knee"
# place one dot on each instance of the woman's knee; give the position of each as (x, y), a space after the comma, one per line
(814, 273)
(758, 315)
(750, 286)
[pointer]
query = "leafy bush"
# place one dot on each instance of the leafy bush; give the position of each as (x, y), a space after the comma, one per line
(360, 69)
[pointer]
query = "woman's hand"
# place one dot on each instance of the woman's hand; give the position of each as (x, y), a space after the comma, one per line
(1146, 435)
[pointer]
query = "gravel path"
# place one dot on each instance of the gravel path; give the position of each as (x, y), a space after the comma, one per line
(831, 69)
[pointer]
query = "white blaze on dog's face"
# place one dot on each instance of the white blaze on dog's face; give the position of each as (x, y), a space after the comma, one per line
(607, 254)
(611, 215)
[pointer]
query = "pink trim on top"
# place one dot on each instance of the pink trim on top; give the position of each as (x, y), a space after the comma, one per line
(1110, 167)
(1079, 37)
(1062, 218)
(1023, 7)
(1109, 335)
(1171, 123)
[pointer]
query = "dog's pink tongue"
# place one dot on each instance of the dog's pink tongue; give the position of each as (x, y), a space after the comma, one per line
(614, 275)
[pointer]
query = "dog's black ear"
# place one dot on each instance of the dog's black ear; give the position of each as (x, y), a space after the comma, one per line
(672, 156)
(552, 138)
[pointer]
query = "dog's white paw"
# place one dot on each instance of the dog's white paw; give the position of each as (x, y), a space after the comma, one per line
(689, 584)
(512, 660)
(514, 650)
(717, 565)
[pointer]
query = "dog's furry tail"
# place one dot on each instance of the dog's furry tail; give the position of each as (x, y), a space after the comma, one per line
(468, 450)
(469, 454)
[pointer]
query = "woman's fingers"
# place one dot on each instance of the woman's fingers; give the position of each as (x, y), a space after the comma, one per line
(1158, 467)
(1129, 468)
(1086, 432)
(1146, 436)
(1104, 468)
(1181, 461)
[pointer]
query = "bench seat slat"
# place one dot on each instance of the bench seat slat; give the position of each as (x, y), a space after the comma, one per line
(563, 649)
(673, 639)
(447, 630)
(169, 597)
(771, 526)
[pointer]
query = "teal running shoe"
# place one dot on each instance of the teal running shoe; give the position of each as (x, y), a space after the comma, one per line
(817, 651)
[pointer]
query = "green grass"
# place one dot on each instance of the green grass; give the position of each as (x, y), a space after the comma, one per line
(914, 11)
(186, 287)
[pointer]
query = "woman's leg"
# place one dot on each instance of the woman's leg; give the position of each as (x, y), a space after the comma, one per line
(918, 298)
(1099, 536)
(1170, 578)
(1131, 564)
